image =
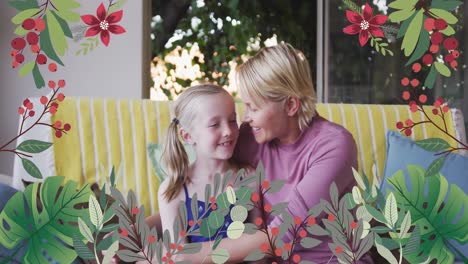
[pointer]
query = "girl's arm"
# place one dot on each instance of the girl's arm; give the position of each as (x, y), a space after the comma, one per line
(169, 210)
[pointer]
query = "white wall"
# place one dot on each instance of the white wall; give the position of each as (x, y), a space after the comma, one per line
(113, 71)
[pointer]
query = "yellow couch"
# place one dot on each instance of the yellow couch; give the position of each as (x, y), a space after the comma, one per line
(112, 132)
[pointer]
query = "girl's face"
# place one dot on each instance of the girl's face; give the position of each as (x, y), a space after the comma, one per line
(268, 120)
(214, 131)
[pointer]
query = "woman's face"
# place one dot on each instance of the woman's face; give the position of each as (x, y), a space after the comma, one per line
(268, 120)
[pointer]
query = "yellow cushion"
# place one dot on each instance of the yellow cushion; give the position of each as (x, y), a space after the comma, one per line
(113, 132)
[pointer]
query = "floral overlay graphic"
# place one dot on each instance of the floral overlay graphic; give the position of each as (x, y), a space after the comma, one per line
(401, 223)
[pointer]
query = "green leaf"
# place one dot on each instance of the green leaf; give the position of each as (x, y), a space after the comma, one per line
(111, 252)
(64, 12)
(403, 4)
(64, 25)
(116, 6)
(412, 34)
(20, 31)
(431, 77)
(31, 168)
(446, 15)
(435, 167)
(220, 255)
(433, 204)
(276, 186)
(243, 194)
(33, 146)
(38, 80)
(85, 231)
(46, 44)
(442, 69)
(433, 144)
(21, 5)
(255, 255)
(215, 220)
(449, 31)
(421, 48)
(191, 248)
(308, 242)
(21, 16)
(95, 212)
(55, 223)
(206, 230)
(105, 243)
(222, 201)
(413, 243)
(446, 5)
(375, 214)
(384, 252)
(405, 225)
(81, 249)
(56, 34)
(391, 211)
(400, 15)
(130, 256)
(26, 69)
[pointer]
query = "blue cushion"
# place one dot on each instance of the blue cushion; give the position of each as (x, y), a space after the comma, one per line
(402, 151)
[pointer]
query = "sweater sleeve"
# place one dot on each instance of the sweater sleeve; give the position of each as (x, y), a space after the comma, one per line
(330, 162)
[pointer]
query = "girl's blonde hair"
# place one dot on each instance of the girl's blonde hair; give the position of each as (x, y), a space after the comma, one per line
(174, 156)
(276, 73)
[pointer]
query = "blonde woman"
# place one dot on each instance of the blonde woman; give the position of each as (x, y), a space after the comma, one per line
(282, 128)
(205, 118)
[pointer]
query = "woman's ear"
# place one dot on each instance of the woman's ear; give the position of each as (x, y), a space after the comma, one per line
(292, 105)
(186, 136)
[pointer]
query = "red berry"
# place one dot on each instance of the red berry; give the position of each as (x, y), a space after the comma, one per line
(61, 83)
(408, 132)
(416, 67)
(29, 106)
(67, 127)
(135, 210)
(41, 59)
(440, 24)
(338, 250)
(311, 221)
(451, 43)
(191, 223)
(172, 246)
(302, 233)
(456, 54)
(44, 100)
(13, 53)
(423, 98)
(414, 108)
(354, 225)
(267, 208)
(405, 81)
(414, 82)
(436, 38)
(60, 97)
(406, 95)
(151, 239)
(275, 231)
(435, 111)
(58, 133)
(53, 110)
(54, 104)
(434, 49)
(52, 67)
(20, 110)
(297, 220)
(40, 24)
(58, 124)
(399, 125)
(32, 38)
(440, 100)
(26, 102)
(14, 64)
(258, 221)
(28, 24)
(35, 49)
(182, 233)
(409, 122)
(171, 261)
(449, 58)
(265, 184)
(168, 254)
(296, 258)
(278, 252)
(331, 217)
(264, 247)
(124, 233)
(213, 207)
(180, 247)
(445, 109)
(287, 246)
(427, 59)
(429, 24)
(164, 259)
(212, 199)
(255, 197)
(18, 43)
(51, 84)
(454, 64)
(19, 58)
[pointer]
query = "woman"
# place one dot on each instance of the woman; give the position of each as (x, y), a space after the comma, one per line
(283, 130)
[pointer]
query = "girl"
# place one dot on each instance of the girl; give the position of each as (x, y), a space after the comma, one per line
(205, 118)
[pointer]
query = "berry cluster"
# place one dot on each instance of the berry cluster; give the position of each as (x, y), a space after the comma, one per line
(50, 106)
(19, 44)
(434, 27)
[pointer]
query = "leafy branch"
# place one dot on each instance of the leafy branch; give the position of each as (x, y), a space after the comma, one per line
(89, 45)
(380, 46)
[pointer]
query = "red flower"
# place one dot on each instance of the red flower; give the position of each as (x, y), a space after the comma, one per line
(365, 24)
(103, 23)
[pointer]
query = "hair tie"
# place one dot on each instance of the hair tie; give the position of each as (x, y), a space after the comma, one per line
(175, 120)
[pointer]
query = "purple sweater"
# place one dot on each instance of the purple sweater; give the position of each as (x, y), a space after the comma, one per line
(324, 153)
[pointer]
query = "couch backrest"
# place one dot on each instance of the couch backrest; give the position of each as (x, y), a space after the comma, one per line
(111, 132)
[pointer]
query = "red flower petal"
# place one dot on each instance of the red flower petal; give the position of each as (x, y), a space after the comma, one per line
(352, 29)
(101, 12)
(116, 29)
(367, 12)
(115, 17)
(378, 20)
(376, 31)
(353, 17)
(93, 31)
(90, 20)
(105, 37)
(363, 37)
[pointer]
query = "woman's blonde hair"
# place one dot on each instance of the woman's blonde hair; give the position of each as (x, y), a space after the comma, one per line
(174, 156)
(276, 73)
